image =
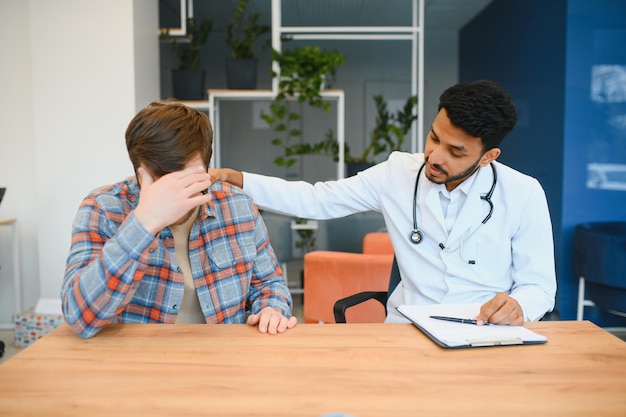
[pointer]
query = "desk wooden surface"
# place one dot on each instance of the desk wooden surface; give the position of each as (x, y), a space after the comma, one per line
(362, 369)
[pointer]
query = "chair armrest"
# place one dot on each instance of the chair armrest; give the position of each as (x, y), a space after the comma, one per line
(342, 305)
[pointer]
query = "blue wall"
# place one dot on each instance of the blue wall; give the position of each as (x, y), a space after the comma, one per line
(595, 123)
(543, 52)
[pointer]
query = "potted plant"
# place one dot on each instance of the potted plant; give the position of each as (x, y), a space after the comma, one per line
(188, 78)
(387, 136)
(304, 72)
(301, 78)
(242, 35)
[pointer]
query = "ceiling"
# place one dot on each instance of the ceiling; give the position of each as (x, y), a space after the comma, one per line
(438, 14)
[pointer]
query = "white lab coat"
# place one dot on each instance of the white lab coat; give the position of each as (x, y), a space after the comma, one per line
(513, 252)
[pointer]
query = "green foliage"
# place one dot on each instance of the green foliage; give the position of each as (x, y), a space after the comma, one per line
(390, 129)
(387, 136)
(188, 51)
(327, 147)
(302, 74)
(307, 237)
(242, 35)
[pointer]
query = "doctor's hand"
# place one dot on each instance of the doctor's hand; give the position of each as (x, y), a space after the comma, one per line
(501, 309)
(227, 175)
(271, 320)
(167, 200)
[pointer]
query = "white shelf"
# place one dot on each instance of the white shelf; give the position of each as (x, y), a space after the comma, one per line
(213, 107)
(309, 225)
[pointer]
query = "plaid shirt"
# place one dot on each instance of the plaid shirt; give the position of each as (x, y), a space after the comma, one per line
(118, 272)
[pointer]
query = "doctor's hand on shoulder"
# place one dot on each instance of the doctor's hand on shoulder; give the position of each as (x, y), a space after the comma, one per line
(501, 309)
(228, 175)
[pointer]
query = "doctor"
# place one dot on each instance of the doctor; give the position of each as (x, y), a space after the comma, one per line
(465, 228)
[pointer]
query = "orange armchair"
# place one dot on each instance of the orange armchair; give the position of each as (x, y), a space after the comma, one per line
(330, 276)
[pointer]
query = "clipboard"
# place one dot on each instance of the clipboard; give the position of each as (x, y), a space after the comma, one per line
(460, 335)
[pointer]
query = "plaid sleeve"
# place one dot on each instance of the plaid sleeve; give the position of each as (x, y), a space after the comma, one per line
(268, 287)
(108, 253)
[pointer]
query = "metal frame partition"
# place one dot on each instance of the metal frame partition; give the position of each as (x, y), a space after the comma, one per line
(413, 33)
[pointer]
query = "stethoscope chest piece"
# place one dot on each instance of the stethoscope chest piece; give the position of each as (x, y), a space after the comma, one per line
(416, 236)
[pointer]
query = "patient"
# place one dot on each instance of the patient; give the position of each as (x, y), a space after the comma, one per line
(166, 245)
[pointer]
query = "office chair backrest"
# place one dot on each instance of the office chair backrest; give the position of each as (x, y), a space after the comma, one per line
(600, 265)
(332, 275)
(377, 243)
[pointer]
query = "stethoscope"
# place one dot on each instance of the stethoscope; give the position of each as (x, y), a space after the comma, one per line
(416, 236)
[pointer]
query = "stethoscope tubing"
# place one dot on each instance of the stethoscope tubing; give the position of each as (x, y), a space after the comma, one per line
(416, 236)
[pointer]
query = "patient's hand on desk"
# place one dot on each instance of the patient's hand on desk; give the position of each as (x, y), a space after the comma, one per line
(501, 309)
(227, 175)
(271, 320)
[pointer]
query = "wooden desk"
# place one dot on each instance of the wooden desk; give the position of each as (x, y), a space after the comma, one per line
(363, 369)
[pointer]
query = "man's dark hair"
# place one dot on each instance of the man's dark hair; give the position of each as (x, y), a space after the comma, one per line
(482, 109)
(166, 135)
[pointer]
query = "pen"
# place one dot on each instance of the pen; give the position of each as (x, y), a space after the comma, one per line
(456, 320)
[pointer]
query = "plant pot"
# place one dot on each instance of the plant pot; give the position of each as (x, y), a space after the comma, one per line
(241, 73)
(188, 84)
(352, 168)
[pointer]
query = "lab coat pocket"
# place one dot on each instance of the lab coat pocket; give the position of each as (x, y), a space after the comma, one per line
(491, 259)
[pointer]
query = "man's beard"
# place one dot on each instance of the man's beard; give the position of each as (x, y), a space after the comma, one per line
(462, 176)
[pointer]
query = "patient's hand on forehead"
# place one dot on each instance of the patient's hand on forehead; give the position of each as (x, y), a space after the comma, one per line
(166, 200)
